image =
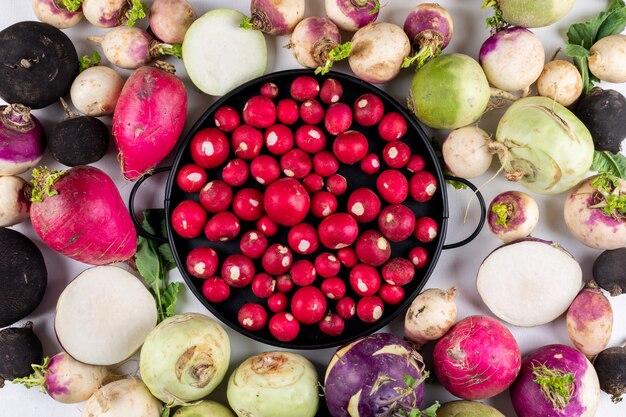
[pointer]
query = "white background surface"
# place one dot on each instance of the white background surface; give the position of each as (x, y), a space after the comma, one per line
(455, 267)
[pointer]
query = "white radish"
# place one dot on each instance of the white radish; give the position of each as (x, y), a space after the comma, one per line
(14, 202)
(608, 59)
(95, 91)
(561, 81)
(104, 315)
(430, 316)
(170, 19)
(512, 215)
(124, 398)
(467, 152)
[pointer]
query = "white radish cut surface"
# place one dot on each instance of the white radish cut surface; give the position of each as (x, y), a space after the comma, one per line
(529, 283)
(219, 55)
(104, 315)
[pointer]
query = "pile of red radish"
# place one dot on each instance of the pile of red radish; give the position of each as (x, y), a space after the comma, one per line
(310, 207)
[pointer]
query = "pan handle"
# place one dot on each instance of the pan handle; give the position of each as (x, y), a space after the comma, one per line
(131, 205)
(483, 213)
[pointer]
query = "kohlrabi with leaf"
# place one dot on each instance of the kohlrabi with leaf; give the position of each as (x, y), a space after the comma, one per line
(61, 14)
(111, 13)
(274, 17)
(528, 14)
(429, 28)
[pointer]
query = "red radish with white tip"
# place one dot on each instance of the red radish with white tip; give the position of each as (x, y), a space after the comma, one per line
(338, 231)
(332, 324)
(235, 173)
(278, 302)
(191, 178)
(269, 90)
(277, 259)
(391, 294)
(312, 41)
(422, 186)
(311, 112)
(364, 205)
(337, 184)
(252, 316)
(303, 239)
(310, 139)
(308, 305)
(396, 222)
(331, 91)
(248, 204)
(348, 257)
(419, 257)
(284, 283)
(327, 265)
(263, 285)
(325, 164)
(338, 118)
(346, 307)
(313, 183)
(352, 15)
(368, 109)
(392, 186)
(286, 202)
(215, 289)
(370, 309)
(370, 164)
(274, 18)
(188, 219)
(429, 27)
(396, 154)
(278, 139)
(303, 272)
(365, 280)
(350, 147)
(392, 127)
(323, 204)
(259, 112)
(372, 248)
(247, 142)
(238, 271)
(209, 148)
(265, 169)
(287, 111)
(216, 196)
(426, 229)
(416, 163)
(268, 226)
(334, 288)
(253, 244)
(222, 227)
(296, 163)
(227, 118)
(284, 326)
(202, 262)
(304, 88)
(398, 271)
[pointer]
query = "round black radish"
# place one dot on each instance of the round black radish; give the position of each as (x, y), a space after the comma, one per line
(78, 141)
(610, 365)
(608, 271)
(604, 114)
(38, 64)
(23, 276)
(19, 349)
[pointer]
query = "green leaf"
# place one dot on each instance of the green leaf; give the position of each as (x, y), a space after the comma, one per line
(72, 5)
(609, 163)
(613, 24)
(246, 23)
(137, 11)
(147, 260)
(146, 224)
(432, 410)
(169, 298)
(376, 8)
(502, 212)
(577, 51)
(166, 255)
(175, 49)
(458, 185)
(338, 53)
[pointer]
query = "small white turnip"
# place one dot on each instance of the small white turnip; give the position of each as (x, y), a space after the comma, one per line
(466, 152)
(95, 91)
(14, 200)
(431, 314)
(124, 398)
(170, 19)
(607, 59)
(560, 80)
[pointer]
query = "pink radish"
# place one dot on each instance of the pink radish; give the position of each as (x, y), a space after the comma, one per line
(215, 289)
(265, 169)
(238, 271)
(368, 109)
(216, 196)
(398, 271)
(311, 112)
(331, 91)
(148, 119)
(286, 202)
(80, 213)
(392, 186)
(235, 173)
(426, 229)
(396, 222)
(332, 324)
(308, 305)
(348, 257)
(277, 302)
(346, 307)
(191, 178)
(269, 90)
(303, 239)
(327, 265)
(312, 41)
(325, 164)
(338, 118)
(287, 111)
(248, 204)
(396, 154)
(391, 294)
(274, 17)
(338, 231)
(422, 186)
(252, 316)
(313, 183)
(333, 288)
(310, 139)
(372, 248)
(351, 15)
(392, 127)
(337, 184)
(284, 326)
(429, 317)
(259, 112)
(170, 19)
(209, 148)
(365, 280)
(303, 272)
(277, 259)
(370, 164)
(364, 205)
(323, 204)
(296, 164)
(429, 27)
(419, 257)
(202, 262)
(350, 147)
(222, 227)
(110, 13)
(284, 283)
(278, 139)
(227, 118)
(246, 142)
(263, 285)
(253, 244)
(268, 226)
(370, 309)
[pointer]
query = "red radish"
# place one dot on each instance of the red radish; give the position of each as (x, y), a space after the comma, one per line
(252, 316)
(248, 204)
(170, 19)
(215, 289)
(370, 309)
(312, 41)
(422, 186)
(216, 196)
(268, 226)
(274, 18)
(477, 358)
(331, 91)
(191, 178)
(350, 147)
(227, 118)
(346, 307)
(396, 154)
(392, 186)
(426, 229)
(368, 109)
(284, 326)
(188, 219)
(296, 163)
(278, 139)
(327, 265)
(370, 164)
(284, 283)
(311, 112)
(265, 169)
(333, 288)
(338, 231)
(277, 259)
(287, 111)
(202, 262)
(416, 163)
(325, 164)
(253, 244)
(392, 126)
(364, 205)
(431, 314)
(352, 15)
(209, 148)
(259, 112)
(348, 257)
(148, 119)
(263, 285)
(235, 173)
(419, 257)
(429, 27)
(338, 118)
(269, 90)
(313, 183)
(286, 202)
(372, 248)
(308, 305)
(398, 271)
(303, 239)
(222, 227)
(396, 222)
(238, 271)
(391, 294)
(365, 280)
(247, 142)
(332, 324)
(303, 272)
(310, 139)
(323, 204)
(304, 88)
(278, 302)
(337, 184)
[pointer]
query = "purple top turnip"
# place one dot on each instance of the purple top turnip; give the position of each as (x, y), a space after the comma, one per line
(61, 14)
(274, 17)
(313, 40)
(111, 13)
(170, 19)
(512, 215)
(22, 140)
(352, 15)
(429, 27)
